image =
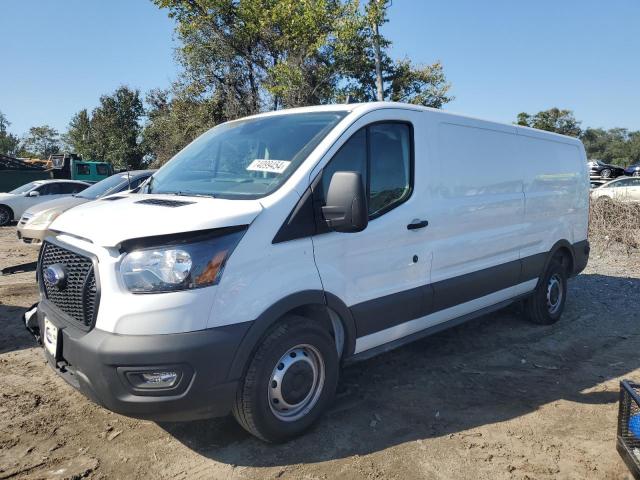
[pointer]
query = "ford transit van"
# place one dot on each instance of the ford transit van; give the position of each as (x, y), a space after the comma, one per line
(275, 248)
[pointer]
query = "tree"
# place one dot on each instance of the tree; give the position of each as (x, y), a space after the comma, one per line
(42, 141)
(173, 120)
(426, 85)
(78, 136)
(367, 73)
(8, 142)
(617, 145)
(112, 133)
(240, 57)
(552, 120)
(257, 54)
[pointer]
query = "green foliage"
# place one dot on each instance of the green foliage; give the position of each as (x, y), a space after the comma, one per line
(617, 146)
(9, 143)
(240, 57)
(41, 141)
(425, 85)
(78, 136)
(112, 133)
(174, 119)
(552, 120)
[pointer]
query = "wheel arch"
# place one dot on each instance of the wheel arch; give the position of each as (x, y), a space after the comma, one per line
(314, 304)
(564, 248)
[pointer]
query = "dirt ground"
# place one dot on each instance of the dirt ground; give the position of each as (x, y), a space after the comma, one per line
(496, 398)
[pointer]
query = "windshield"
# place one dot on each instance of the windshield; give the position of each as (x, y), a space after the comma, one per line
(105, 187)
(25, 188)
(244, 159)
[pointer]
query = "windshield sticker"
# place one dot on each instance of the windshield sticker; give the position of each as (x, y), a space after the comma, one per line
(272, 166)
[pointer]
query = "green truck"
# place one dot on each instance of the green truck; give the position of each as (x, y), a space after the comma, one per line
(16, 172)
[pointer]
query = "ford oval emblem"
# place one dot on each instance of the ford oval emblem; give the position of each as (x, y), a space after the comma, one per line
(56, 276)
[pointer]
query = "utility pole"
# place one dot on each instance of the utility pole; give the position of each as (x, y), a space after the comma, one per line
(376, 48)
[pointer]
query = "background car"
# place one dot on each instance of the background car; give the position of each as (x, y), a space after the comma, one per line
(33, 227)
(16, 202)
(633, 170)
(598, 168)
(622, 189)
(597, 182)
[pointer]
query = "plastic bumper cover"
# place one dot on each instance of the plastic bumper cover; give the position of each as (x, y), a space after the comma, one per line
(99, 363)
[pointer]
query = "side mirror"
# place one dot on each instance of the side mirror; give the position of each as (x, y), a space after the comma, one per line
(33, 193)
(346, 207)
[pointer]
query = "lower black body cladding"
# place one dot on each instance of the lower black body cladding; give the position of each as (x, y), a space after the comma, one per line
(379, 314)
(97, 363)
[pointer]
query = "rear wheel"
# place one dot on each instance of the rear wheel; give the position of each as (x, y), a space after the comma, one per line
(291, 379)
(546, 304)
(5, 215)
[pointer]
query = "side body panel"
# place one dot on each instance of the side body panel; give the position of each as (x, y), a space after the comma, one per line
(259, 273)
(479, 202)
(486, 247)
(556, 188)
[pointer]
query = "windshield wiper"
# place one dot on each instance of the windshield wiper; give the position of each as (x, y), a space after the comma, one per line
(187, 194)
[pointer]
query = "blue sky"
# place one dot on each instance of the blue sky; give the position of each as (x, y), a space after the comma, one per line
(502, 56)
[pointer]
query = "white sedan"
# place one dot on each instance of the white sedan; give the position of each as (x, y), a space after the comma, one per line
(624, 189)
(14, 203)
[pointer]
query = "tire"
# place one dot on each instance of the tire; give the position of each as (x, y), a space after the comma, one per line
(636, 174)
(6, 215)
(546, 305)
(605, 173)
(268, 384)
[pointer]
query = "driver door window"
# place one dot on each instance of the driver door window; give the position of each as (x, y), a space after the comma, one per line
(44, 190)
(71, 188)
(381, 153)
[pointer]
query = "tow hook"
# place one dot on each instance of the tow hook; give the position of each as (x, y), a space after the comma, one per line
(30, 320)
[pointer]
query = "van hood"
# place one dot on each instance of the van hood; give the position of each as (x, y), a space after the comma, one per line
(111, 220)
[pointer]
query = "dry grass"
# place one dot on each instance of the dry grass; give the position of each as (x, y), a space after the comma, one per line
(614, 223)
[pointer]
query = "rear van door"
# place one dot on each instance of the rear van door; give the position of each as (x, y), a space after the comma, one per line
(382, 272)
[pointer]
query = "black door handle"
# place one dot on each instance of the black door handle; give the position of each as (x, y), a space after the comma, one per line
(417, 224)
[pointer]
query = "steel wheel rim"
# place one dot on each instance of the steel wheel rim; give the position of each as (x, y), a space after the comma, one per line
(555, 293)
(301, 366)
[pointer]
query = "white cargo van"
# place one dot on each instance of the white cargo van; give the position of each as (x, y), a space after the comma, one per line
(274, 248)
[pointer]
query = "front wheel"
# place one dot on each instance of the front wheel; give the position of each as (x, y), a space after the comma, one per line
(5, 216)
(290, 380)
(546, 305)
(606, 173)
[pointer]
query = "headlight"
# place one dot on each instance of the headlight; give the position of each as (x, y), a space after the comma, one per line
(178, 266)
(44, 218)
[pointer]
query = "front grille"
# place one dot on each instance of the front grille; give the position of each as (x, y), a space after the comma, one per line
(78, 296)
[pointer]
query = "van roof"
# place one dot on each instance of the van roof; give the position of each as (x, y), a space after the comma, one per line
(371, 106)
